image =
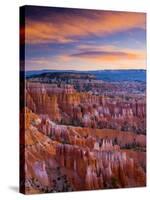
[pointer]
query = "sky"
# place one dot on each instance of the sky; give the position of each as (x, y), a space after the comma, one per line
(80, 39)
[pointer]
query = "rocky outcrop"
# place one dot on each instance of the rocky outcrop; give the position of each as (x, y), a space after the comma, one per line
(38, 100)
(88, 137)
(106, 168)
(84, 109)
(66, 158)
(77, 140)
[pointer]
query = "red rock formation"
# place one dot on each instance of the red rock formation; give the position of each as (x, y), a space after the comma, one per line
(36, 94)
(64, 157)
(84, 109)
(98, 168)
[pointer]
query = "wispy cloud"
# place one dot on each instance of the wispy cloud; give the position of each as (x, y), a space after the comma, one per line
(68, 28)
(107, 55)
(90, 60)
(84, 39)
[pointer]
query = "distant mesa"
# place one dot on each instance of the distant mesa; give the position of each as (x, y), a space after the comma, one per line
(105, 75)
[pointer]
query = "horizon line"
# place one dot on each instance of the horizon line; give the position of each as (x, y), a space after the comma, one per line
(82, 70)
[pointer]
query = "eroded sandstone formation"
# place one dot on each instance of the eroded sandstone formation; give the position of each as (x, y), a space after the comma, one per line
(66, 158)
(67, 106)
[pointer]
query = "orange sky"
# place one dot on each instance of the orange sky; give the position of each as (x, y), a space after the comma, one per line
(84, 39)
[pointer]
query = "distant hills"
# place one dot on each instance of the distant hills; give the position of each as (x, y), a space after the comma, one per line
(105, 75)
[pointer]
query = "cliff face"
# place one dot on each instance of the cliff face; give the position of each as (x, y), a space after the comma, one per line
(106, 168)
(67, 106)
(42, 173)
(66, 158)
(38, 100)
